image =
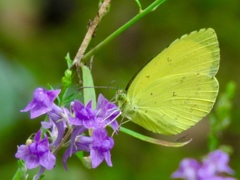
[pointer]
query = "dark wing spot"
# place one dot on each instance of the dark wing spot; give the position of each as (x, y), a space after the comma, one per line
(169, 59)
(182, 79)
(174, 94)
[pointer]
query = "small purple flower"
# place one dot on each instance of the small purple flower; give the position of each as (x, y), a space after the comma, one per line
(188, 169)
(42, 102)
(212, 168)
(57, 128)
(83, 115)
(216, 162)
(77, 143)
(58, 117)
(107, 113)
(37, 153)
(100, 148)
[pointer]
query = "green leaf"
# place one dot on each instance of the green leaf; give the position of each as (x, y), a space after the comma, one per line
(71, 97)
(88, 86)
(220, 119)
(79, 154)
(21, 173)
(66, 81)
(69, 61)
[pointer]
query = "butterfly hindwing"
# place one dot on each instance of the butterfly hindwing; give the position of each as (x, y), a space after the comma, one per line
(184, 100)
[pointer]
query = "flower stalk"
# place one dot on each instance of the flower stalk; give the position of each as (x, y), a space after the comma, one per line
(123, 28)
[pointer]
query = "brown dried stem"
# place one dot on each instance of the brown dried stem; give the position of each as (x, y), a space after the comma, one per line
(91, 30)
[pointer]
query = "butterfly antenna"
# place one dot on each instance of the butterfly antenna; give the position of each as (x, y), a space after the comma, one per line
(98, 87)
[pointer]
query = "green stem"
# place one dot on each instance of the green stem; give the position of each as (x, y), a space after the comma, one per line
(152, 140)
(141, 14)
(69, 132)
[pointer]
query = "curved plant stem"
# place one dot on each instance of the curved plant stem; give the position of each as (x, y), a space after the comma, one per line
(153, 140)
(141, 14)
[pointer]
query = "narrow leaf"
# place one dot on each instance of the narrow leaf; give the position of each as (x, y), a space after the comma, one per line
(69, 61)
(21, 173)
(88, 86)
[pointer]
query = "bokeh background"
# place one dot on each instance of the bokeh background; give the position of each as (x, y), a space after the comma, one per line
(35, 36)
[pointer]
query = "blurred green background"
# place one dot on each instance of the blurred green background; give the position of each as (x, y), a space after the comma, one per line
(35, 36)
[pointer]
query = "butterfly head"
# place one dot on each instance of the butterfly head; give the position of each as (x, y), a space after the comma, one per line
(121, 97)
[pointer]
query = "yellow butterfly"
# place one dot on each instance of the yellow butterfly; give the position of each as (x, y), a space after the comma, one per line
(177, 88)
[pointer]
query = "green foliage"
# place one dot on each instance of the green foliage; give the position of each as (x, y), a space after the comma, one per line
(25, 46)
(66, 84)
(69, 60)
(221, 117)
(88, 86)
(21, 173)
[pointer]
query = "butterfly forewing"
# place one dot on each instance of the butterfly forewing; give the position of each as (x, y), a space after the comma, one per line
(197, 52)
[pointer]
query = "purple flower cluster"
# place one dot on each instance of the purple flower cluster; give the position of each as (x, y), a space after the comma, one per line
(77, 120)
(37, 153)
(213, 167)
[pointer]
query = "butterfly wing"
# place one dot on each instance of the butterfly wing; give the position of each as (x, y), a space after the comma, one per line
(177, 88)
(184, 100)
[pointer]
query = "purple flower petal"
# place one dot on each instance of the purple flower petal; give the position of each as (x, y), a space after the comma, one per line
(76, 131)
(46, 124)
(22, 152)
(56, 117)
(219, 178)
(32, 161)
(188, 169)
(40, 172)
(215, 163)
(48, 160)
(83, 115)
(74, 147)
(37, 136)
(101, 146)
(97, 158)
(107, 157)
(83, 143)
(212, 168)
(37, 153)
(220, 159)
(41, 103)
(107, 112)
